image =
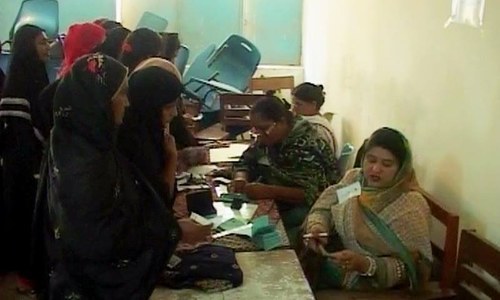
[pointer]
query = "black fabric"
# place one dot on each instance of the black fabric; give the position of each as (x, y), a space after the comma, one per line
(204, 262)
(112, 45)
(2, 80)
(42, 110)
(359, 155)
(141, 138)
(20, 151)
(110, 234)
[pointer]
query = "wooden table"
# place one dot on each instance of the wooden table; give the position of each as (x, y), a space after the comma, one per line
(266, 275)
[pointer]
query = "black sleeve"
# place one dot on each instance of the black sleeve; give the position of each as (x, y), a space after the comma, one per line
(41, 110)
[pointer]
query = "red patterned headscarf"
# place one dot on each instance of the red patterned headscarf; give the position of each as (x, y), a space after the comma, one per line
(81, 39)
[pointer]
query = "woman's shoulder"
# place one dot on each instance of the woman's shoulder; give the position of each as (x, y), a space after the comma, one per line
(351, 176)
(414, 200)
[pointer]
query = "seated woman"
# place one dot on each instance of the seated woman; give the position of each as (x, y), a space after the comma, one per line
(288, 162)
(382, 222)
(307, 99)
(110, 233)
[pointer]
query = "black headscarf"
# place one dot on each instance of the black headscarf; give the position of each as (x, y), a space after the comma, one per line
(115, 37)
(140, 137)
(104, 211)
(140, 45)
(27, 75)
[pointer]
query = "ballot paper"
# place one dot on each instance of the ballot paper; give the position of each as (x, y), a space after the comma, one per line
(228, 154)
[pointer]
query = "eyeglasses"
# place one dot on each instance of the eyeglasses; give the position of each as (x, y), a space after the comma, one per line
(256, 131)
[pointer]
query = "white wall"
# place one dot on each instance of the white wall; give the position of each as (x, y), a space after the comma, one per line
(391, 63)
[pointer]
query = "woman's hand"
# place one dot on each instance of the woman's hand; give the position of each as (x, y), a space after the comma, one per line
(351, 261)
(315, 242)
(193, 233)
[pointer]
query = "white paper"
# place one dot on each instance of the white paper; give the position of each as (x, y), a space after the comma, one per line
(244, 230)
(221, 189)
(199, 219)
(227, 154)
(182, 188)
(349, 191)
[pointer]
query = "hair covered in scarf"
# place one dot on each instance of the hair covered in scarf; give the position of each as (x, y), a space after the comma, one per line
(140, 137)
(81, 39)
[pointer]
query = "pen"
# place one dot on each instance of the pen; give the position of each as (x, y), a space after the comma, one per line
(310, 235)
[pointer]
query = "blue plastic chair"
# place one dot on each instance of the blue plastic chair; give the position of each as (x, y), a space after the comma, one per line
(41, 13)
(227, 69)
(152, 21)
(347, 151)
(182, 58)
(199, 70)
(235, 61)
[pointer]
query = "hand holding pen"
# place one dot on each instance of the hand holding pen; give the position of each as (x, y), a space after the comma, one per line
(316, 238)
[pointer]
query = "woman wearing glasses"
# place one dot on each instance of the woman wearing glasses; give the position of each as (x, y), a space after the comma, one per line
(288, 162)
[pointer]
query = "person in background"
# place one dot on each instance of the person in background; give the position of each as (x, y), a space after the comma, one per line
(184, 139)
(111, 234)
(307, 99)
(113, 43)
(171, 45)
(140, 45)
(81, 39)
(382, 224)
(288, 162)
(20, 149)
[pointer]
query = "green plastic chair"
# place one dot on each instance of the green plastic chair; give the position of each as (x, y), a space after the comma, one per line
(227, 69)
(235, 61)
(347, 151)
(41, 13)
(152, 21)
(182, 58)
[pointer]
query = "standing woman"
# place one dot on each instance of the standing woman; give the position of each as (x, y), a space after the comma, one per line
(144, 137)
(111, 234)
(20, 149)
(140, 45)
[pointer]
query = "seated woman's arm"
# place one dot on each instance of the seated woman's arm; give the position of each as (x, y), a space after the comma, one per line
(320, 214)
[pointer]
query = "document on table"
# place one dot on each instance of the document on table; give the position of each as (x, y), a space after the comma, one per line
(227, 154)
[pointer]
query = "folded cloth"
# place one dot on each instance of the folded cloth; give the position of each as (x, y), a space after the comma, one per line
(209, 267)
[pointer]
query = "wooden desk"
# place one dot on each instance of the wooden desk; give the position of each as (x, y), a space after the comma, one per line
(266, 275)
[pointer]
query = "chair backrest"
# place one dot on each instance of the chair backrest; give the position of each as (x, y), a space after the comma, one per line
(272, 83)
(182, 58)
(42, 13)
(347, 151)
(152, 21)
(199, 69)
(478, 267)
(4, 61)
(448, 255)
(235, 62)
(235, 109)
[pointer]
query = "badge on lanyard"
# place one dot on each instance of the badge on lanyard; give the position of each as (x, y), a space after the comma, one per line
(352, 190)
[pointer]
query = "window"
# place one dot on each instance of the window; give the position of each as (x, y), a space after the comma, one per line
(274, 26)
